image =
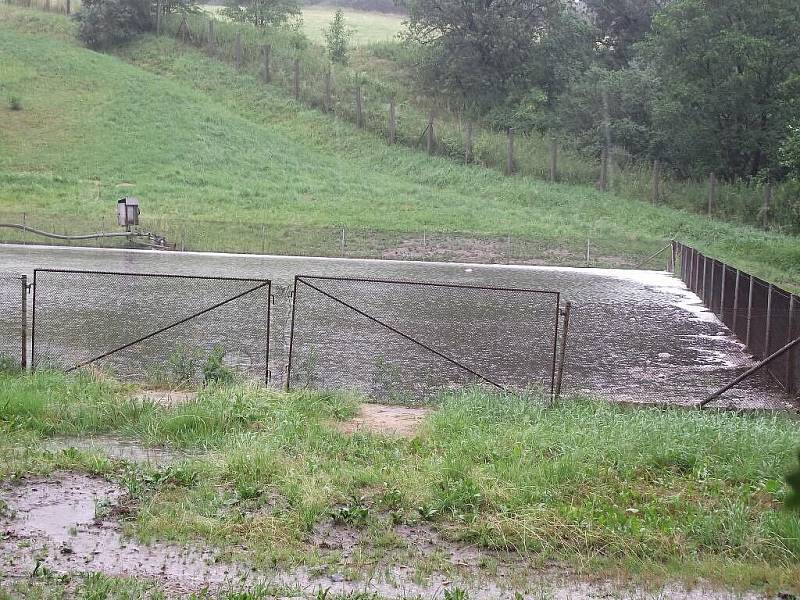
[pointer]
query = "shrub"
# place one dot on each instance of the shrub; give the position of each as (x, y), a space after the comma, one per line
(106, 23)
(215, 370)
(15, 103)
(337, 38)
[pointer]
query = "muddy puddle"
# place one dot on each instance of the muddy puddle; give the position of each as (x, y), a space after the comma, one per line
(70, 523)
(383, 419)
(117, 448)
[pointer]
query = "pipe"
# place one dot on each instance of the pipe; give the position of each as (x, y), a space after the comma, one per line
(56, 236)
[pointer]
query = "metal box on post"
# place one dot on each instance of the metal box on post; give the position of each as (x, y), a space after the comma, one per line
(127, 212)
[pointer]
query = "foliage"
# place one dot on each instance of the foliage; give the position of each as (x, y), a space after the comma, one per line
(261, 13)
(14, 103)
(730, 73)
(337, 38)
(620, 24)
(215, 370)
(106, 23)
(794, 481)
(790, 152)
(477, 50)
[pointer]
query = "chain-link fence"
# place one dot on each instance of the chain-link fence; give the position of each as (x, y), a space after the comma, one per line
(168, 330)
(12, 320)
(405, 341)
(764, 317)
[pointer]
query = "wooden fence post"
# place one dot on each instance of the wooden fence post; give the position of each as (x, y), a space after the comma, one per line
(510, 152)
(431, 137)
(359, 108)
(212, 38)
(296, 79)
(655, 191)
(765, 207)
(158, 17)
(327, 103)
(468, 142)
(237, 51)
(266, 50)
(392, 122)
(712, 193)
(553, 160)
(602, 183)
(69, 7)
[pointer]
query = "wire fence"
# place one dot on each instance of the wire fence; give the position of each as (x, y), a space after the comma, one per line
(345, 241)
(404, 341)
(169, 330)
(12, 321)
(763, 316)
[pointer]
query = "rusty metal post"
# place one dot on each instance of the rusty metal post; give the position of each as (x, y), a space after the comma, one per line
(749, 313)
(24, 324)
(562, 350)
(790, 362)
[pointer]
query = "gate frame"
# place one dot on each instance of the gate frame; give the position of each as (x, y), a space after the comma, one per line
(556, 319)
(264, 283)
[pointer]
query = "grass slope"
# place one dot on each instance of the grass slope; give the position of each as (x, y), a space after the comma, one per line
(217, 157)
(655, 492)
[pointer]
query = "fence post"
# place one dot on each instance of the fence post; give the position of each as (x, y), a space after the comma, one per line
(468, 142)
(359, 108)
(510, 154)
(712, 193)
(791, 359)
(553, 160)
(326, 98)
(655, 191)
(765, 207)
(158, 17)
(431, 137)
(749, 314)
(563, 350)
(602, 183)
(296, 79)
(712, 290)
(69, 7)
(704, 295)
(722, 292)
(768, 321)
(212, 38)
(392, 122)
(24, 332)
(237, 51)
(266, 50)
(736, 300)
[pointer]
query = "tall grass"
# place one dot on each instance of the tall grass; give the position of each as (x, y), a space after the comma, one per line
(692, 493)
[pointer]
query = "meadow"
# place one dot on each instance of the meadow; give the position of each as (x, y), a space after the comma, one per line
(600, 488)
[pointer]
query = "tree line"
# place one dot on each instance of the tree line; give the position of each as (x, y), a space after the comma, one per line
(703, 85)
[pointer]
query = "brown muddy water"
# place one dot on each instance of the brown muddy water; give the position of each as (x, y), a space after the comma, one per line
(70, 523)
(636, 336)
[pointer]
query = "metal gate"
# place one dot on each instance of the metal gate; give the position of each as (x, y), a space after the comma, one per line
(404, 341)
(13, 309)
(148, 326)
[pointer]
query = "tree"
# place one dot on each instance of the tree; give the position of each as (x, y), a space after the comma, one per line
(105, 23)
(261, 13)
(478, 49)
(621, 24)
(337, 38)
(727, 69)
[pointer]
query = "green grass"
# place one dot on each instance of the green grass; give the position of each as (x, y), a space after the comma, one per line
(654, 493)
(222, 162)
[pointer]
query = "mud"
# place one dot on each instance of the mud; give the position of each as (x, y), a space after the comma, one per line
(166, 397)
(385, 420)
(117, 448)
(70, 523)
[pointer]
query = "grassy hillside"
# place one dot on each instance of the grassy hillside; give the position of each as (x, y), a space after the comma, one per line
(218, 159)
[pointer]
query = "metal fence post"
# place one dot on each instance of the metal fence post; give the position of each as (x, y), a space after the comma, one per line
(712, 292)
(563, 350)
(736, 301)
(768, 321)
(749, 313)
(24, 332)
(792, 358)
(722, 293)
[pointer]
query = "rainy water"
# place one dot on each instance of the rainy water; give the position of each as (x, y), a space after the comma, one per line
(637, 336)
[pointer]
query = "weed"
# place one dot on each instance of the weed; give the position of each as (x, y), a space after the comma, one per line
(215, 370)
(355, 513)
(15, 103)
